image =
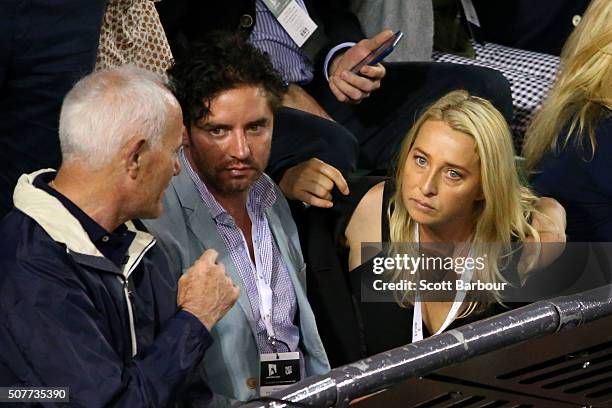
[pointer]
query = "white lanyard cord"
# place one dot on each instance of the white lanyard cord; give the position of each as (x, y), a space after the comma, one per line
(417, 317)
(264, 290)
(265, 309)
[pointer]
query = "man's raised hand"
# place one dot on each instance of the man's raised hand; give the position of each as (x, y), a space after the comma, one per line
(348, 86)
(206, 291)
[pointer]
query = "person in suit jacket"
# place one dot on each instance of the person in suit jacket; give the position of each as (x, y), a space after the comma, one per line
(228, 91)
(377, 106)
(542, 26)
(45, 47)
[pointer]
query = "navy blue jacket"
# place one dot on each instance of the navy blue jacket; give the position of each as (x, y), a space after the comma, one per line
(65, 317)
(540, 26)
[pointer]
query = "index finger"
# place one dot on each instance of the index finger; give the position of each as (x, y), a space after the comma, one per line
(378, 40)
(334, 175)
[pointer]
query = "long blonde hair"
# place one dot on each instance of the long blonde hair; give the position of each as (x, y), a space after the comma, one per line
(502, 217)
(582, 93)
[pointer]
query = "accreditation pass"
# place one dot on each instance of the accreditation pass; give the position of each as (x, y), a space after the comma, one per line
(34, 394)
(294, 19)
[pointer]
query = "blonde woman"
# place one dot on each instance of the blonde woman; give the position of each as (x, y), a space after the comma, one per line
(456, 184)
(569, 144)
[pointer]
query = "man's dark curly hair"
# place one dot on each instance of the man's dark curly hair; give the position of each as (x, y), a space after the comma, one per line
(224, 61)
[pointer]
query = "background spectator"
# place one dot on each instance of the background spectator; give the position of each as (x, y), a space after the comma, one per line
(45, 47)
(569, 145)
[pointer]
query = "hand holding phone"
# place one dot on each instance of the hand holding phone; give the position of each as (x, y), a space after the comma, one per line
(379, 53)
(349, 81)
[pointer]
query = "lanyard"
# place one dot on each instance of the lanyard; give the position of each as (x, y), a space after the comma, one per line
(417, 317)
(265, 304)
(264, 290)
(293, 17)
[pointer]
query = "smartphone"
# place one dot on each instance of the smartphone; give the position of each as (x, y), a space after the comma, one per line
(379, 53)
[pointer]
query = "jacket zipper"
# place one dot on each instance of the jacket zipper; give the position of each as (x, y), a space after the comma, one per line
(128, 299)
(127, 294)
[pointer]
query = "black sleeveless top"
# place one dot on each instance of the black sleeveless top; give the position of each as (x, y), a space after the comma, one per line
(385, 325)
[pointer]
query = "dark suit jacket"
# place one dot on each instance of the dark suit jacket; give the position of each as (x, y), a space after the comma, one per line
(541, 26)
(191, 20)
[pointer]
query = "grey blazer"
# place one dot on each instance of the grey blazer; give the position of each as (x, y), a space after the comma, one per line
(231, 364)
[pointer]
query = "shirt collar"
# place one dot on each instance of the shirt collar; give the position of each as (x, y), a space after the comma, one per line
(93, 229)
(112, 245)
(261, 195)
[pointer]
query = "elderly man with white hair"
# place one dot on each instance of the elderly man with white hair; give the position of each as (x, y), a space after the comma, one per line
(86, 298)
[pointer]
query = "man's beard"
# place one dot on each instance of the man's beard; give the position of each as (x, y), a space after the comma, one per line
(220, 179)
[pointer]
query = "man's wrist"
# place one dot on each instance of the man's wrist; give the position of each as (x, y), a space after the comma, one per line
(332, 57)
(186, 314)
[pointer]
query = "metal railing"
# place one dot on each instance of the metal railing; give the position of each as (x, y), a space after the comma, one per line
(343, 384)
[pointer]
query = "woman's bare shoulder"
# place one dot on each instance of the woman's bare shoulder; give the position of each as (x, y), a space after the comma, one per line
(365, 222)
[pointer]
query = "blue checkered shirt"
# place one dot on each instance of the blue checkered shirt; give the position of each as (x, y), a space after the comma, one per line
(269, 260)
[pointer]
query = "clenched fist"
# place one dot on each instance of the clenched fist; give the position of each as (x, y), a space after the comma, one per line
(206, 291)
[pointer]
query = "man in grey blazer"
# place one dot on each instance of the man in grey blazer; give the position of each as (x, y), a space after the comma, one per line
(222, 199)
